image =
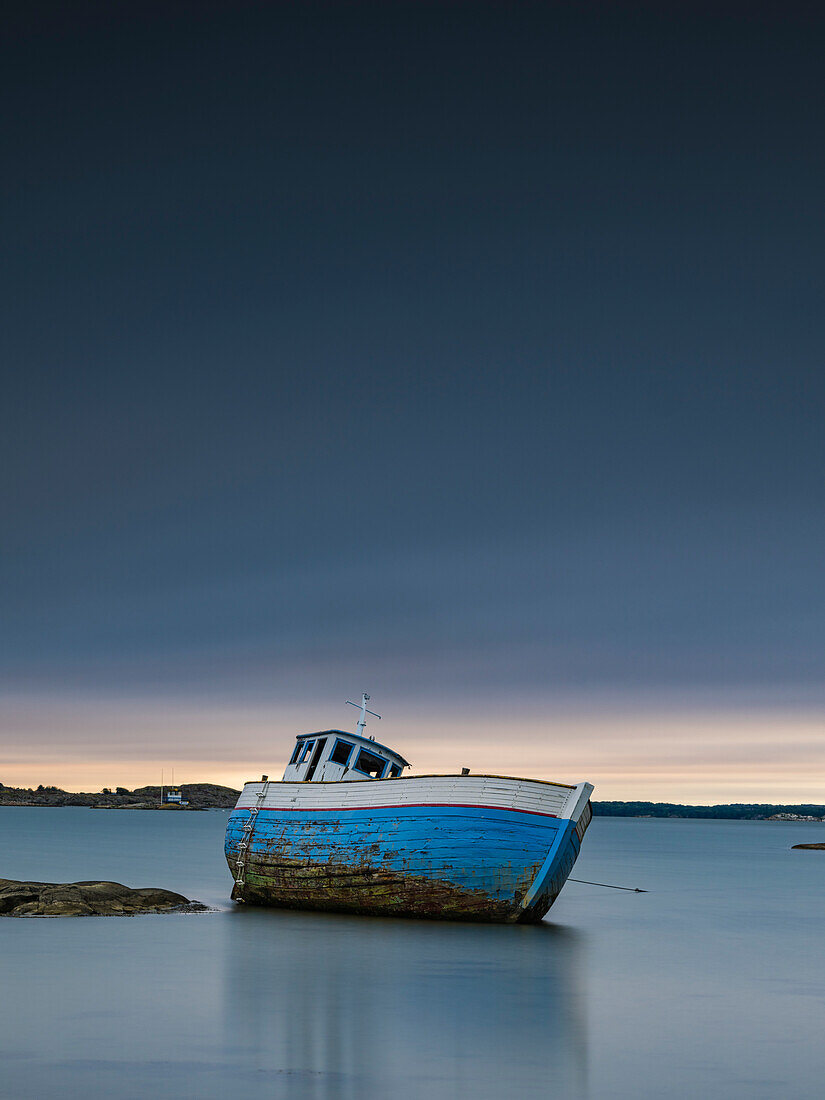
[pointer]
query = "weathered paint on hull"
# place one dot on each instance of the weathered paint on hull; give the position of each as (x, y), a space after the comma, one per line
(441, 862)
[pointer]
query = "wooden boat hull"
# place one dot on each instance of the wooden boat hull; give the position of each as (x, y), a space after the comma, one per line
(482, 848)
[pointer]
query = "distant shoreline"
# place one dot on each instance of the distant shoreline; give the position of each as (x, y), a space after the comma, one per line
(731, 811)
(209, 796)
(196, 796)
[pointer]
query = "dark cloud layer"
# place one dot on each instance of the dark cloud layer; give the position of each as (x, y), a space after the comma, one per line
(479, 344)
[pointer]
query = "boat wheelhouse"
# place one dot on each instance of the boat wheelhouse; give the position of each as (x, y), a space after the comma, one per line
(335, 755)
(346, 830)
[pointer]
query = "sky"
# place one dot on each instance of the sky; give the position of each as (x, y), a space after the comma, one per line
(467, 354)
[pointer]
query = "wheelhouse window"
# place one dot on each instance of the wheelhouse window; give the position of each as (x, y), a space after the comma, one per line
(305, 751)
(293, 759)
(395, 771)
(370, 764)
(341, 753)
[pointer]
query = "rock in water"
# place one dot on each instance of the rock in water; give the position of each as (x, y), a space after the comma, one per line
(87, 899)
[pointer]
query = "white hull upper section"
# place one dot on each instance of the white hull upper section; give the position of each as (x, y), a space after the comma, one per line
(494, 791)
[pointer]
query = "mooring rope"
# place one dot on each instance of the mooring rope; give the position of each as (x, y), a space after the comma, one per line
(608, 886)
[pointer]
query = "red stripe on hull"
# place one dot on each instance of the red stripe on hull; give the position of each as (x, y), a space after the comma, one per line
(393, 806)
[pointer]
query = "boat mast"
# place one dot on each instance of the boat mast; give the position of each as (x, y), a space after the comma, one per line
(362, 718)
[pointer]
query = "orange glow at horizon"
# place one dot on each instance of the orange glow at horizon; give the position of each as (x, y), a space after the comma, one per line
(695, 756)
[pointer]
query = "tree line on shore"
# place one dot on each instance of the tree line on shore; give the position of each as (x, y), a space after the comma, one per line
(741, 811)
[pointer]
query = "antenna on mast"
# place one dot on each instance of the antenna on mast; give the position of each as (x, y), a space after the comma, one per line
(362, 718)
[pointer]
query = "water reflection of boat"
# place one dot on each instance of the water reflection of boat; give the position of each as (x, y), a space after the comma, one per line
(345, 830)
(368, 1009)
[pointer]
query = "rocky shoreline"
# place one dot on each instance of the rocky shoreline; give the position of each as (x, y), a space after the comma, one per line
(88, 899)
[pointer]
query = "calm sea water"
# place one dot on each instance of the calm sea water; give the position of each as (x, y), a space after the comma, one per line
(710, 985)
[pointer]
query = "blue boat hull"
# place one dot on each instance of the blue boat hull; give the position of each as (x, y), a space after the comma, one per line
(449, 862)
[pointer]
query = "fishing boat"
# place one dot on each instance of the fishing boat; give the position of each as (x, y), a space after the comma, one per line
(345, 830)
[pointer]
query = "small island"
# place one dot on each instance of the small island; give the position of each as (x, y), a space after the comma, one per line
(814, 847)
(190, 796)
(88, 899)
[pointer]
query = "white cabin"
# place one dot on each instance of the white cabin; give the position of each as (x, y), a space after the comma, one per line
(333, 755)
